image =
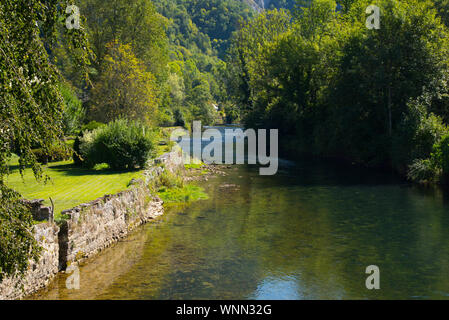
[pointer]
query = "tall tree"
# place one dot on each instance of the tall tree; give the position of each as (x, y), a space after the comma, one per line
(133, 22)
(245, 53)
(124, 88)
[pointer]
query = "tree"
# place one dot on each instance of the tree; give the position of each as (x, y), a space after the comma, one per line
(124, 88)
(73, 113)
(336, 88)
(380, 71)
(132, 22)
(245, 56)
(443, 10)
(201, 103)
(30, 111)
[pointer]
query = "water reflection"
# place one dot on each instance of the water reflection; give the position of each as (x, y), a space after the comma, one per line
(273, 288)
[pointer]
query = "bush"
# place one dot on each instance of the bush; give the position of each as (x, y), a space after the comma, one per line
(170, 180)
(422, 171)
(430, 131)
(121, 144)
(91, 126)
(441, 157)
(56, 153)
(416, 135)
(76, 148)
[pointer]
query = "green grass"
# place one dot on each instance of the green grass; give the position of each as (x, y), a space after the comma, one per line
(69, 185)
(194, 164)
(186, 193)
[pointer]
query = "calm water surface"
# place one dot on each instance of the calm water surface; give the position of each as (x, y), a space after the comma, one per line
(307, 233)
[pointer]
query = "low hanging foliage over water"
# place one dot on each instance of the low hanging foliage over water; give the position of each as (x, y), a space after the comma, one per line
(334, 87)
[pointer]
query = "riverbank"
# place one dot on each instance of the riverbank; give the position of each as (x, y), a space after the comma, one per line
(89, 228)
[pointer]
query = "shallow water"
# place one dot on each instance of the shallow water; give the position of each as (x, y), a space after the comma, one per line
(307, 233)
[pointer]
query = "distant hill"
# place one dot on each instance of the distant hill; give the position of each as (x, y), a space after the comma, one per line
(199, 33)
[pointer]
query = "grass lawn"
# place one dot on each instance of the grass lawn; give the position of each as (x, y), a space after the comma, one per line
(69, 185)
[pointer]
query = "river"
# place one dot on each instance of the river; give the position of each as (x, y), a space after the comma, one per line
(308, 232)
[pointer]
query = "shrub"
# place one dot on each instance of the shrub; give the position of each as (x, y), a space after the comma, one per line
(430, 131)
(441, 157)
(121, 144)
(56, 153)
(170, 180)
(86, 148)
(422, 171)
(76, 145)
(416, 135)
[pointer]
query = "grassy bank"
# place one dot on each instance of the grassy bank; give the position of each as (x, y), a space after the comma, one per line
(173, 189)
(186, 193)
(69, 185)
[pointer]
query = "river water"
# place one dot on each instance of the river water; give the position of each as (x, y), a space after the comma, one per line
(308, 232)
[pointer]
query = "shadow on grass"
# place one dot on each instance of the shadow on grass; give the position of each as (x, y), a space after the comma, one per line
(74, 170)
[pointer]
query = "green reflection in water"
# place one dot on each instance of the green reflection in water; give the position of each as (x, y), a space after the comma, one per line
(307, 233)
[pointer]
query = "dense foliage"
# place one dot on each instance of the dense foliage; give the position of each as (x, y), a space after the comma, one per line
(204, 24)
(131, 22)
(121, 144)
(337, 88)
(124, 88)
(73, 113)
(198, 33)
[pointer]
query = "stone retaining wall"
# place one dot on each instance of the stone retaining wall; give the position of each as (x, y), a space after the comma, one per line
(41, 273)
(89, 228)
(94, 226)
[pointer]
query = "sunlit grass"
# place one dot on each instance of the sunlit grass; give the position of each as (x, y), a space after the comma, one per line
(69, 185)
(186, 193)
